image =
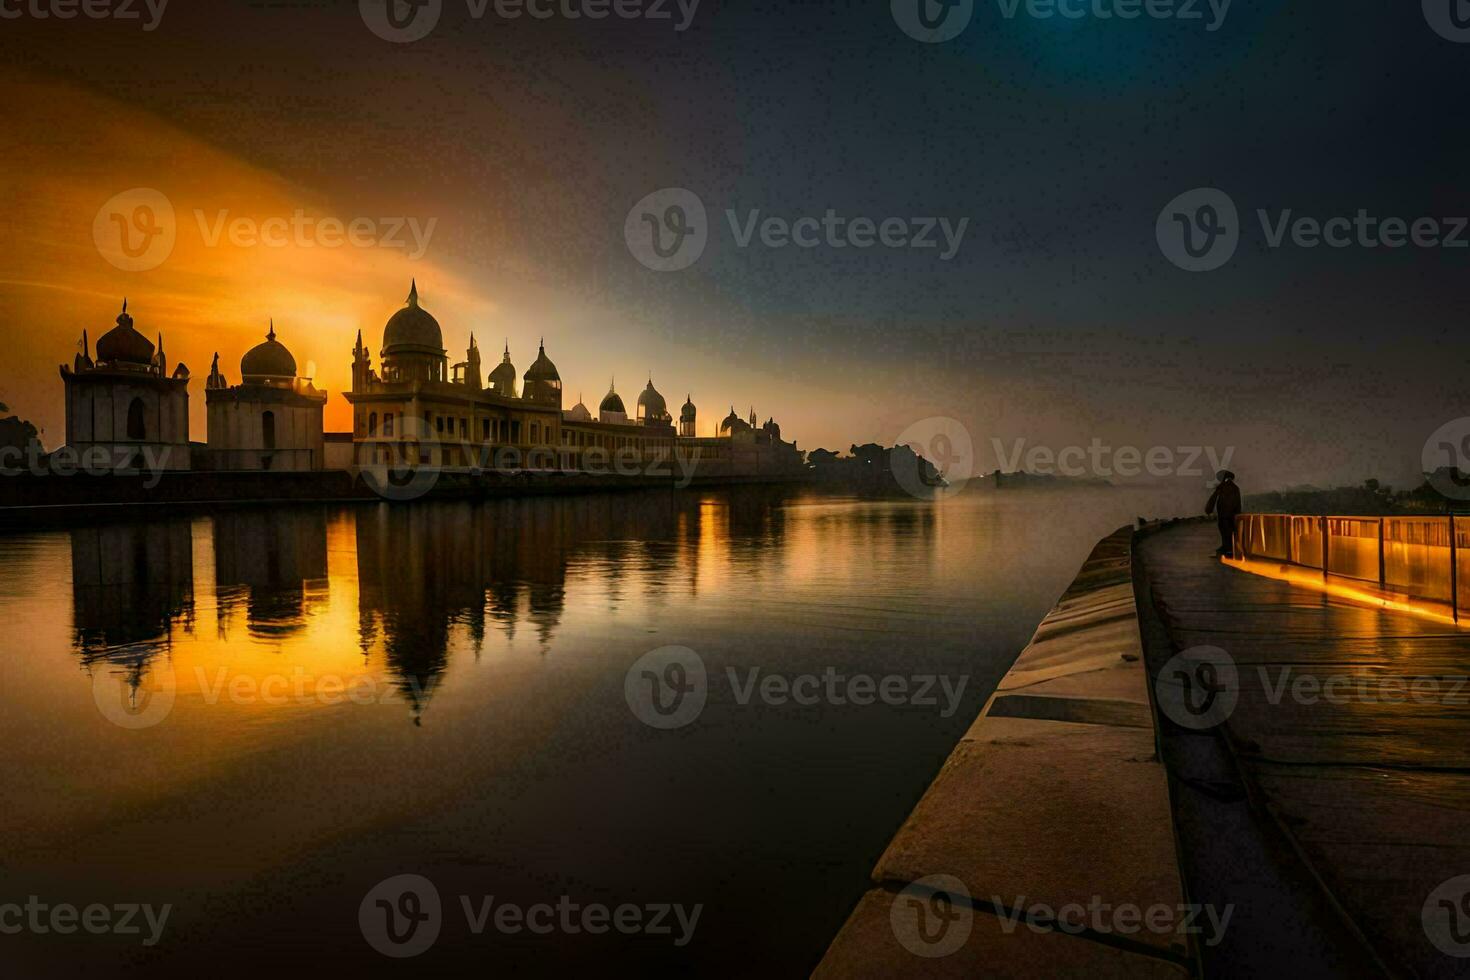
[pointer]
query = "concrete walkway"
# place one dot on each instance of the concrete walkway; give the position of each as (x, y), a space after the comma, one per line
(1350, 738)
(1047, 835)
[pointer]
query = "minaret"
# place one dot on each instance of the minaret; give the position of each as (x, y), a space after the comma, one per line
(752, 416)
(472, 365)
(162, 360)
(361, 365)
(216, 379)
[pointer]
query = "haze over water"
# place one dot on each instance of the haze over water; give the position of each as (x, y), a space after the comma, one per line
(485, 741)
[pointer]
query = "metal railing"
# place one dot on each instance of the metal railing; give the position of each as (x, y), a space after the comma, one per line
(1420, 557)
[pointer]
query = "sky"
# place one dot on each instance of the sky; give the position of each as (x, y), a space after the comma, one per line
(517, 148)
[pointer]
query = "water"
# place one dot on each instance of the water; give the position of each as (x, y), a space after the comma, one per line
(256, 717)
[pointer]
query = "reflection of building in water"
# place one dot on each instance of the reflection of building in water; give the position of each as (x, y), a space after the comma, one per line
(130, 584)
(273, 563)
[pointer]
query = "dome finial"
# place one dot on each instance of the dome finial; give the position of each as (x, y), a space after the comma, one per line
(507, 348)
(272, 334)
(125, 304)
(413, 292)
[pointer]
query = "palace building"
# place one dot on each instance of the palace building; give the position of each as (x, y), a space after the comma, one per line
(414, 407)
(126, 406)
(272, 420)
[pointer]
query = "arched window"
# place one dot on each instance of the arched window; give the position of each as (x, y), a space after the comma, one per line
(268, 430)
(137, 429)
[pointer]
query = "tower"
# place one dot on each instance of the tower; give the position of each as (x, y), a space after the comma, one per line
(472, 366)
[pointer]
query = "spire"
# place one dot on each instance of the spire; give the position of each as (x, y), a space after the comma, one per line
(125, 304)
(272, 334)
(359, 338)
(507, 348)
(413, 292)
(86, 350)
(472, 339)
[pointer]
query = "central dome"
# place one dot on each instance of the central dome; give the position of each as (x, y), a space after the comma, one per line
(270, 361)
(413, 329)
(124, 344)
(651, 404)
(612, 402)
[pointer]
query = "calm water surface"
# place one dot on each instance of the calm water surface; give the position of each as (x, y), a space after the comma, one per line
(257, 716)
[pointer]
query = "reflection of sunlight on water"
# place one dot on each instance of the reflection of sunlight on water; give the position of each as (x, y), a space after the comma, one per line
(505, 629)
(1363, 593)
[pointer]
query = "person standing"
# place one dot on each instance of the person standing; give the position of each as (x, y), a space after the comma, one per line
(1224, 503)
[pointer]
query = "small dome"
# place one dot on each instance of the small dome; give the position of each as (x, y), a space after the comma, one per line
(651, 404)
(542, 369)
(733, 422)
(578, 413)
(124, 344)
(612, 402)
(413, 328)
(686, 414)
(503, 378)
(270, 361)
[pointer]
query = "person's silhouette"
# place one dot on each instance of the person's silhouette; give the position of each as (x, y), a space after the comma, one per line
(1224, 503)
